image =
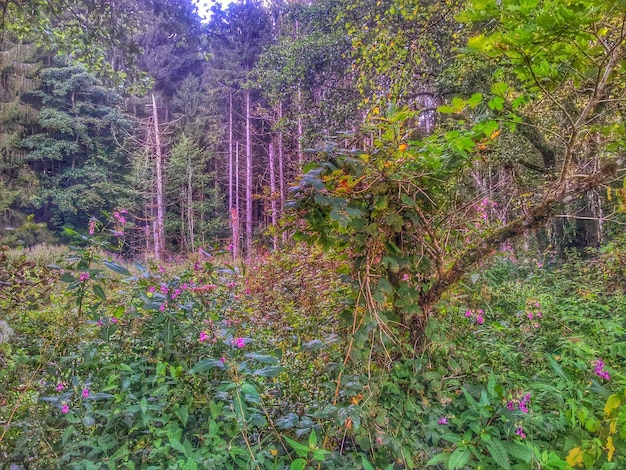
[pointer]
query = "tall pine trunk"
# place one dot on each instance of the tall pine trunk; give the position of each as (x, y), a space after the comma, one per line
(248, 177)
(159, 222)
(273, 196)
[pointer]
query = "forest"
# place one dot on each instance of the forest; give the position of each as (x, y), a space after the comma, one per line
(313, 234)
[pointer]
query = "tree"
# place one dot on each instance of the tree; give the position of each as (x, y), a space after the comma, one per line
(406, 206)
(73, 148)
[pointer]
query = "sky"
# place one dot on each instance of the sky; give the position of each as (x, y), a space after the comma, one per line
(205, 5)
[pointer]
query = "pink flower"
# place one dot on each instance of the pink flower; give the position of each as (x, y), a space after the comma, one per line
(162, 308)
(85, 392)
(151, 289)
(65, 409)
(114, 320)
(161, 270)
(405, 277)
(223, 359)
(600, 372)
(92, 227)
(511, 405)
(60, 386)
(443, 420)
(530, 315)
(239, 342)
(520, 432)
(203, 337)
(480, 320)
(468, 313)
(164, 290)
(83, 277)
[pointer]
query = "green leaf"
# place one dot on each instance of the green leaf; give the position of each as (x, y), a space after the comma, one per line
(118, 268)
(366, 464)
(207, 364)
(99, 292)
(269, 371)
(313, 440)
(499, 454)
(452, 438)
(475, 100)
(518, 451)
(287, 422)
(300, 449)
(67, 434)
(67, 277)
(298, 464)
(459, 458)
(444, 457)
(264, 358)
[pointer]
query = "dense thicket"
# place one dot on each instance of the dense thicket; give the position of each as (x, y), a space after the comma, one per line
(198, 129)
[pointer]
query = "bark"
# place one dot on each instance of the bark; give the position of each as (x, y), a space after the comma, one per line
(273, 195)
(248, 177)
(159, 222)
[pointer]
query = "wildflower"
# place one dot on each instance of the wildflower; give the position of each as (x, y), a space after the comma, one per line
(65, 409)
(161, 269)
(405, 277)
(83, 277)
(162, 308)
(85, 392)
(203, 336)
(117, 233)
(152, 289)
(530, 315)
(99, 323)
(480, 320)
(223, 359)
(442, 420)
(239, 342)
(511, 405)
(92, 226)
(468, 313)
(230, 285)
(600, 372)
(114, 320)
(164, 289)
(520, 432)
(523, 404)
(60, 386)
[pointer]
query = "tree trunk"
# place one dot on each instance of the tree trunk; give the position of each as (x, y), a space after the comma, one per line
(248, 177)
(159, 223)
(273, 196)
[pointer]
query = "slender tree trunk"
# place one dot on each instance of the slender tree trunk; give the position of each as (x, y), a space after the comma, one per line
(159, 223)
(273, 196)
(300, 129)
(248, 177)
(190, 215)
(230, 150)
(234, 212)
(281, 171)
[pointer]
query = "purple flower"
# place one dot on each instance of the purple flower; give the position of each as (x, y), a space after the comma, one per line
(203, 336)
(468, 313)
(600, 372)
(92, 226)
(520, 432)
(240, 343)
(83, 277)
(443, 420)
(151, 289)
(60, 386)
(85, 392)
(480, 320)
(223, 359)
(162, 308)
(511, 405)
(65, 409)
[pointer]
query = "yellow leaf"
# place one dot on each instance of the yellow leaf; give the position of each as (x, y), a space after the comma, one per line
(610, 447)
(608, 193)
(612, 403)
(575, 457)
(613, 427)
